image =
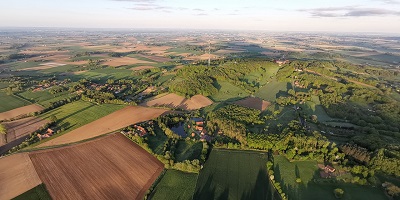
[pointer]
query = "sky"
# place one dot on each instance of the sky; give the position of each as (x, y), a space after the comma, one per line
(269, 15)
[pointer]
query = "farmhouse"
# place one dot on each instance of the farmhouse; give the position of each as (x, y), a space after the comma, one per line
(140, 130)
(329, 169)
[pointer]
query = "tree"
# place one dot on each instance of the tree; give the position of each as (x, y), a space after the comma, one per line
(3, 131)
(338, 193)
(53, 118)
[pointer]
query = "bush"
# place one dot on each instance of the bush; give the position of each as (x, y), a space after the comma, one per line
(338, 193)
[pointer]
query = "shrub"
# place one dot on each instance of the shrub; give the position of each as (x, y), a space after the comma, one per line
(338, 193)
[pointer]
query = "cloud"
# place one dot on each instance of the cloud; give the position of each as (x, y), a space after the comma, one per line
(389, 1)
(348, 11)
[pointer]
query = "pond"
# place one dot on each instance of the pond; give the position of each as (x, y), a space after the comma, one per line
(179, 129)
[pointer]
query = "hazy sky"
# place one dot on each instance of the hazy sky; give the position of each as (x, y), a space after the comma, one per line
(272, 15)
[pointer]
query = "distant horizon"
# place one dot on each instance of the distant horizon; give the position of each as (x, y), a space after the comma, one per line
(357, 16)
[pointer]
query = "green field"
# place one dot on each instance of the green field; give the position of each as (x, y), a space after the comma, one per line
(44, 98)
(234, 175)
(228, 91)
(9, 102)
(285, 173)
(260, 78)
(156, 142)
(188, 150)
(272, 90)
(3, 85)
(22, 65)
(77, 114)
(175, 185)
(37, 193)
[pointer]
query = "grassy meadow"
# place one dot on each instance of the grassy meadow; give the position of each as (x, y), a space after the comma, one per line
(175, 185)
(9, 102)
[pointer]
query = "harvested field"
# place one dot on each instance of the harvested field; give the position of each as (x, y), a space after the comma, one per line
(44, 66)
(152, 49)
(111, 167)
(17, 175)
(254, 102)
(156, 58)
(176, 101)
(20, 111)
(115, 62)
(142, 68)
(23, 127)
(114, 121)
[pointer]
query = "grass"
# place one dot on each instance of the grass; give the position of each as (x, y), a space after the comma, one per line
(23, 65)
(272, 90)
(260, 78)
(4, 85)
(37, 193)
(188, 150)
(286, 172)
(228, 91)
(101, 75)
(77, 114)
(141, 58)
(9, 102)
(44, 97)
(175, 185)
(156, 142)
(234, 175)
(183, 50)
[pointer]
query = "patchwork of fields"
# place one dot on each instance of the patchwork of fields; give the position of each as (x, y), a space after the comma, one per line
(232, 175)
(20, 111)
(9, 102)
(176, 101)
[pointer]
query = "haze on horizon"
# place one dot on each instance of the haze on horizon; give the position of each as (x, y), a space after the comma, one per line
(287, 15)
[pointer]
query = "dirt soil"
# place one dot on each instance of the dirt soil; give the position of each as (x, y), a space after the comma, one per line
(20, 111)
(23, 127)
(17, 175)
(114, 121)
(176, 101)
(253, 102)
(110, 167)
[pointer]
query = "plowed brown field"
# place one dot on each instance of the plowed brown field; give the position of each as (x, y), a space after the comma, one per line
(111, 167)
(17, 175)
(114, 121)
(20, 128)
(20, 111)
(253, 102)
(176, 101)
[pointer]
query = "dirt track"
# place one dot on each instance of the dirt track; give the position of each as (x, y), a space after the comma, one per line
(114, 121)
(255, 103)
(20, 111)
(111, 167)
(17, 175)
(176, 101)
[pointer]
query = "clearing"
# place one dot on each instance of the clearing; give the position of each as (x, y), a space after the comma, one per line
(230, 174)
(254, 102)
(273, 90)
(285, 173)
(20, 111)
(175, 185)
(176, 101)
(17, 175)
(114, 121)
(110, 167)
(228, 91)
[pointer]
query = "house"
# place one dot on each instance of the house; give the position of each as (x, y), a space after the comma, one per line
(142, 131)
(199, 128)
(281, 62)
(329, 169)
(200, 123)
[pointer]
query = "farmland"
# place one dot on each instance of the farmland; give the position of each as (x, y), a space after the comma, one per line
(20, 111)
(9, 102)
(234, 175)
(98, 169)
(176, 101)
(44, 98)
(114, 121)
(272, 90)
(188, 151)
(255, 103)
(285, 172)
(17, 175)
(228, 91)
(175, 185)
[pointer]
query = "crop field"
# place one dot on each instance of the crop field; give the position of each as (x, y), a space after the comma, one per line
(37, 193)
(112, 122)
(9, 102)
(44, 97)
(262, 77)
(285, 172)
(23, 127)
(20, 111)
(188, 150)
(272, 90)
(228, 91)
(116, 62)
(234, 175)
(17, 175)
(175, 185)
(253, 102)
(176, 101)
(103, 74)
(110, 167)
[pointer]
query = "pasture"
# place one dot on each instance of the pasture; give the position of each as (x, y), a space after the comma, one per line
(234, 175)
(110, 167)
(285, 173)
(44, 98)
(17, 175)
(110, 122)
(228, 91)
(273, 90)
(176, 101)
(175, 185)
(9, 102)
(188, 150)
(20, 111)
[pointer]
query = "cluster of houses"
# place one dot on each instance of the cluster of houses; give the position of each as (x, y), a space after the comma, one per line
(48, 134)
(200, 130)
(45, 86)
(138, 129)
(281, 62)
(108, 87)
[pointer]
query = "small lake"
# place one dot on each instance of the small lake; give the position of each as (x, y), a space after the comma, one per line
(179, 129)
